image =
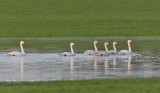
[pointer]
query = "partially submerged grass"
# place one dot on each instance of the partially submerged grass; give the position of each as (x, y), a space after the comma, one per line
(83, 18)
(123, 85)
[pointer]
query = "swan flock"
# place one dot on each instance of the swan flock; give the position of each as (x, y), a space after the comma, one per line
(87, 52)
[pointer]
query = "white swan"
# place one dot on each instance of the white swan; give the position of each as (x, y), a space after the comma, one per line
(92, 52)
(16, 53)
(126, 52)
(103, 53)
(68, 53)
(114, 47)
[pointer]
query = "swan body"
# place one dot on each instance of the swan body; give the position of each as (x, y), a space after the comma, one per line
(114, 47)
(68, 53)
(17, 53)
(103, 53)
(126, 52)
(92, 52)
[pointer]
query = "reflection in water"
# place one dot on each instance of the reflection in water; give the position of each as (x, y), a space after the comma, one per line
(114, 61)
(43, 63)
(129, 64)
(71, 64)
(53, 67)
(95, 63)
(127, 58)
(21, 67)
(106, 65)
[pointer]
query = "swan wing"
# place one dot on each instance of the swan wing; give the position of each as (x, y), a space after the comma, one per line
(102, 53)
(113, 52)
(124, 52)
(15, 53)
(67, 54)
(89, 52)
(93, 52)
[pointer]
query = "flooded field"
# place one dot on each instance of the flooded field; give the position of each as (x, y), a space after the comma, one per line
(42, 61)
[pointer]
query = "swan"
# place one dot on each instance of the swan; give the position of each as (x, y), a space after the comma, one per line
(68, 53)
(114, 47)
(92, 52)
(126, 52)
(16, 53)
(103, 53)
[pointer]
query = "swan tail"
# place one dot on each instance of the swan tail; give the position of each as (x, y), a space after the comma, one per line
(61, 54)
(121, 53)
(11, 55)
(87, 53)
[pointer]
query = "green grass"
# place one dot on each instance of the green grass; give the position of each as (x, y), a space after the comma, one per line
(124, 85)
(82, 18)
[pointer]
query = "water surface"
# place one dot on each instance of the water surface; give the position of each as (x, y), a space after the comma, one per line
(42, 61)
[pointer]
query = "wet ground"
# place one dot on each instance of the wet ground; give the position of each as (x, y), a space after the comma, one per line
(42, 61)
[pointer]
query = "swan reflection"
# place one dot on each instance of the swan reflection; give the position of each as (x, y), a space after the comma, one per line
(114, 61)
(106, 65)
(71, 64)
(126, 58)
(95, 63)
(129, 64)
(21, 67)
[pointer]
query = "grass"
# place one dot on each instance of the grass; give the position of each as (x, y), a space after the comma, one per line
(83, 18)
(122, 85)
(80, 18)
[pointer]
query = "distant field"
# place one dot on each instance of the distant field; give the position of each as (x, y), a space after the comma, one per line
(72, 18)
(125, 85)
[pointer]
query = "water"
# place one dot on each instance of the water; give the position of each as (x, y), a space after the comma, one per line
(42, 61)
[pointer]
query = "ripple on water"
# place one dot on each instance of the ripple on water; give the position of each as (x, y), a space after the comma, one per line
(42, 61)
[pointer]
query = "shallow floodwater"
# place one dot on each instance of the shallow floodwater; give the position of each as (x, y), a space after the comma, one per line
(42, 61)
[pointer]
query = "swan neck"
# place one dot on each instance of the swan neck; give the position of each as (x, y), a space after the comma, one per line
(114, 47)
(129, 46)
(72, 49)
(22, 50)
(95, 47)
(105, 45)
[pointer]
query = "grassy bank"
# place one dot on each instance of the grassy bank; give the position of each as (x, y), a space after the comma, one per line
(87, 18)
(129, 85)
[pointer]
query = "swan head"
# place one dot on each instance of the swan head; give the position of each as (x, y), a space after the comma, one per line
(106, 43)
(72, 44)
(22, 42)
(95, 41)
(130, 41)
(114, 42)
